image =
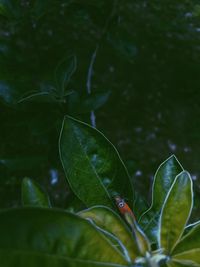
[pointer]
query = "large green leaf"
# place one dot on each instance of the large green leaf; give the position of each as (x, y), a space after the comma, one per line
(163, 179)
(92, 165)
(46, 237)
(175, 212)
(109, 221)
(33, 195)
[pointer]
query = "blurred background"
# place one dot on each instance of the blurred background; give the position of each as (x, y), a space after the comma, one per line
(131, 68)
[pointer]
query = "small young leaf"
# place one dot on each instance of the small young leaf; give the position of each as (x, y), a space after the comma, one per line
(79, 104)
(140, 237)
(48, 237)
(175, 212)
(108, 220)
(33, 195)
(64, 72)
(92, 165)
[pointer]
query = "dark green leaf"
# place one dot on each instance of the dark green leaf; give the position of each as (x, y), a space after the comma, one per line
(176, 211)
(46, 237)
(33, 195)
(22, 163)
(10, 9)
(64, 72)
(92, 165)
(83, 104)
(179, 264)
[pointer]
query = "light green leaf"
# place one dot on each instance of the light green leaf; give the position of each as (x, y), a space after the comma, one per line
(47, 237)
(190, 243)
(163, 179)
(176, 211)
(142, 241)
(33, 195)
(92, 165)
(190, 257)
(109, 221)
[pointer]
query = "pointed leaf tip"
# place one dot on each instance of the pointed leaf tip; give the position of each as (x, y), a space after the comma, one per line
(33, 195)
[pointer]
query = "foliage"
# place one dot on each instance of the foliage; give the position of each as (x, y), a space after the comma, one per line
(69, 57)
(98, 236)
(146, 66)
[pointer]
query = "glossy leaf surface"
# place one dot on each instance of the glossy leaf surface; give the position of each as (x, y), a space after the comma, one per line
(106, 219)
(46, 237)
(92, 165)
(163, 179)
(33, 195)
(176, 212)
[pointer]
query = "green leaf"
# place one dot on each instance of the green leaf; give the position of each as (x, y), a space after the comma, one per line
(47, 237)
(109, 221)
(142, 241)
(189, 246)
(33, 195)
(189, 227)
(163, 179)
(64, 72)
(176, 211)
(92, 165)
(79, 104)
(190, 258)
(178, 264)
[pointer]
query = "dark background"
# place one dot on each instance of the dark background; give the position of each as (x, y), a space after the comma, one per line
(143, 60)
